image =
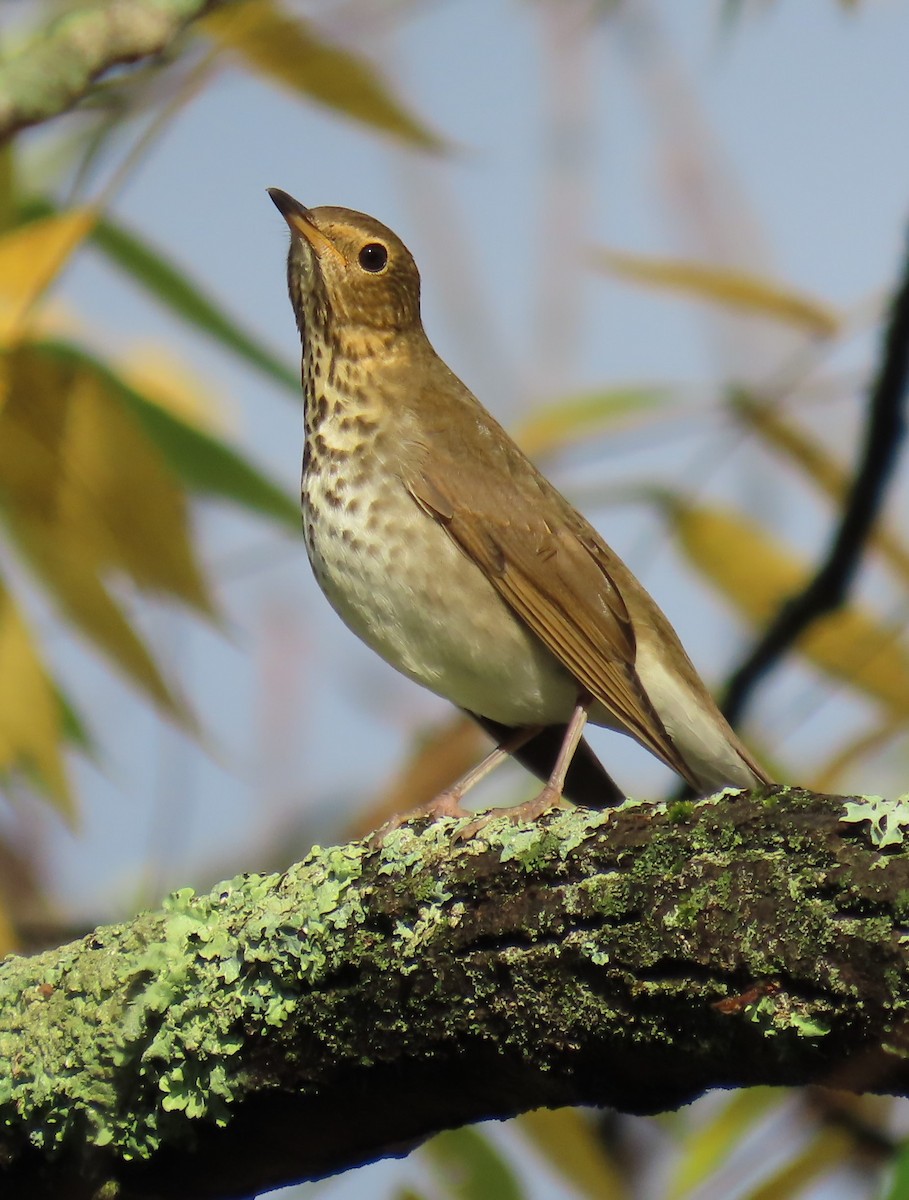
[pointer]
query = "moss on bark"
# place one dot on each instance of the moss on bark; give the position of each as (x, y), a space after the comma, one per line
(286, 1026)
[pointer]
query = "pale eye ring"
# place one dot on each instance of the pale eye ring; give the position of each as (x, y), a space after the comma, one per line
(373, 257)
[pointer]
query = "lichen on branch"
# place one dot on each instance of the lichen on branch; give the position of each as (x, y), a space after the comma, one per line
(283, 1027)
(57, 68)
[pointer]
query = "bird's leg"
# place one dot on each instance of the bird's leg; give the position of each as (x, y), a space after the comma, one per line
(448, 803)
(551, 795)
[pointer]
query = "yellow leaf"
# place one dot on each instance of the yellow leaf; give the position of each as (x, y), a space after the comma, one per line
(83, 598)
(31, 256)
(30, 719)
(171, 385)
(829, 475)
(582, 415)
(74, 461)
(86, 495)
(9, 184)
(9, 943)
(825, 1152)
(285, 49)
(709, 1144)
(566, 1140)
(733, 289)
(757, 575)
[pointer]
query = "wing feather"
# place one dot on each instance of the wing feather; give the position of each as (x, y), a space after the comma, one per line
(554, 574)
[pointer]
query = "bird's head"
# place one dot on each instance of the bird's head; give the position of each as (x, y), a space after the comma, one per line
(345, 268)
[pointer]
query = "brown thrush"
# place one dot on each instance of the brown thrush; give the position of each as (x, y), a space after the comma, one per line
(441, 546)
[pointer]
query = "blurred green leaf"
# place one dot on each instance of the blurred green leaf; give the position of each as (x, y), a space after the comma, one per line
(210, 467)
(285, 49)
(31, 258)
(470, 1167)
(171, 286)
(205, 464)
(87, 496)
(898, 1188)
(72, 726)
(78, 468)
(84, 600)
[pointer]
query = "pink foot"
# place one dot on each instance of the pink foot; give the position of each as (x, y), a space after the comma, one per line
(446, 804)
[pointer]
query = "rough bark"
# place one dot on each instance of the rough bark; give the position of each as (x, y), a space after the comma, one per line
(286, 1027)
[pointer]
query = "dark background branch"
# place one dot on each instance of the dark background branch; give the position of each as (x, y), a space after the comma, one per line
(884, 431)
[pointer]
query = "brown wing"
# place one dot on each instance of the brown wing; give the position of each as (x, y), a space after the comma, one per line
(553, 572)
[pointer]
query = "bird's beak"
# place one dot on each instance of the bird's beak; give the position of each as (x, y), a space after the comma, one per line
(300, 221)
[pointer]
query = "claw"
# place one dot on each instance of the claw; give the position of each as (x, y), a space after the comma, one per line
(549, 798)
(446, 804)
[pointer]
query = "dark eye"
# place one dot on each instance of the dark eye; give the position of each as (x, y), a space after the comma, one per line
(373, 257)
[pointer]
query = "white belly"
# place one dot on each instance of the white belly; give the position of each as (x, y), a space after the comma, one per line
(436, 618)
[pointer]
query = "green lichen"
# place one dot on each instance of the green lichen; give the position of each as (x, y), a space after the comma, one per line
(888, 819)
(597, 954)
(175, 994)
(778, 1013)
(688, 912)
(608, 894)
(527, 845)
(176, 997)
(810, 1027)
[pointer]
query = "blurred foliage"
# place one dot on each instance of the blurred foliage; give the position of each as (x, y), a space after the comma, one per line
(469, 1166)
(757, 574)
(552, 427)
(568, 1141)
(707, 1148)
(95, 480)
(102, 460)
(96, 473)
(152, 271)
(898, 1188)
(729, 289)
(286, 50)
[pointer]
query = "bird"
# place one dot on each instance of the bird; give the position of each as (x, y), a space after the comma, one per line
(441, 545)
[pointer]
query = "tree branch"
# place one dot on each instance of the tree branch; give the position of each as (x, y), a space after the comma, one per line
(52, 73)
(884, 432)
(286, 1027)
